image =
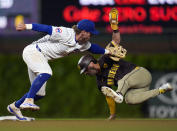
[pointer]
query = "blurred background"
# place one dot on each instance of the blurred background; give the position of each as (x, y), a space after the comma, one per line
(148, 31)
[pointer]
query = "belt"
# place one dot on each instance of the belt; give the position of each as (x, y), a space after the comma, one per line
(37, 47)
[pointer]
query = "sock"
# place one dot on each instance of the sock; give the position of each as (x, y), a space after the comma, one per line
(20, 101)
(37, 84)
(111, 105)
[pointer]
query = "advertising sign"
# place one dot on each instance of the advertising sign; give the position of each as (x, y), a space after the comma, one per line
(164, 105)
(135, 16)
(15, 11)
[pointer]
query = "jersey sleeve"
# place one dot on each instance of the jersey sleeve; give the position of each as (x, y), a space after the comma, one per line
(96, 49)
(40, 28)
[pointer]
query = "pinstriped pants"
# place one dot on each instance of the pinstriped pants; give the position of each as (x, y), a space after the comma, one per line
(36, 63)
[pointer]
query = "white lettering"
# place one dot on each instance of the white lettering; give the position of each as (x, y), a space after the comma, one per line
(96, 2)
(152, 110)
(3, 22)
(172, 112)
(162, 112)
(162, 2)
(6, 4)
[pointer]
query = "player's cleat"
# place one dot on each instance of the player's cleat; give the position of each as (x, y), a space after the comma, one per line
(165, 87)
(29, 106)
(16, 111)
(113, 18)
(112, 117)
(118, 98)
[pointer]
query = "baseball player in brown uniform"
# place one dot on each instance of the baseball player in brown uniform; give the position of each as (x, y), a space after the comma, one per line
(133, 82)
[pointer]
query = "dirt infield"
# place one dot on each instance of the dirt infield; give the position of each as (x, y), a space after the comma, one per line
(91, 125)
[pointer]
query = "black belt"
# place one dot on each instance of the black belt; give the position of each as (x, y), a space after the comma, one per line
(37, 47)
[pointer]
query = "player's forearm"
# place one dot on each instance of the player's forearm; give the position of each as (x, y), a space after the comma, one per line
(96, 49)
(40, 28)
(116, 36)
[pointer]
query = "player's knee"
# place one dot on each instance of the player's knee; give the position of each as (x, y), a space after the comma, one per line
(148, 76)
(41, 94)
(129, 99)
(49, 72)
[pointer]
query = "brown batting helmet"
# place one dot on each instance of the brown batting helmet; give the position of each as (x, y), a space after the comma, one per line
(84, 61)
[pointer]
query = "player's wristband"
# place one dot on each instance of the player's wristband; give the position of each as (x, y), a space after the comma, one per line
(29, 26)
(106, 51)
(116, 31)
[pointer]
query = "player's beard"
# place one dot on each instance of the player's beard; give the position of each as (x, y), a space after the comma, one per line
(92, 72)
(83, 39)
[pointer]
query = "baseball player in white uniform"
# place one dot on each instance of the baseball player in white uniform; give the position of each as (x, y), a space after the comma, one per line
(59, 42)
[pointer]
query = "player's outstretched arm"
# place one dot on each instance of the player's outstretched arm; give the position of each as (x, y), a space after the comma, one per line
(36, 27)
(116, 36)
(96, 49)
(113, 19)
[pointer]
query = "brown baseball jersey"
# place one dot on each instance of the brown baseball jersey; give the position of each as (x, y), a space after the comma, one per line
(112, 71)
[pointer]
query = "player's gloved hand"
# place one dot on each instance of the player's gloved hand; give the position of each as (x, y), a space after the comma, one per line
(116, 51)
(20, 27)
(113, 18)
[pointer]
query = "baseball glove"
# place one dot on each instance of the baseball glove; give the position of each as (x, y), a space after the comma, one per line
(116, 51)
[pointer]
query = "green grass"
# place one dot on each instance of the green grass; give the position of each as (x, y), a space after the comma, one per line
(91, 125)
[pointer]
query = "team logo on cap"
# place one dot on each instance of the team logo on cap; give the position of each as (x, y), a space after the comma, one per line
(58, 30)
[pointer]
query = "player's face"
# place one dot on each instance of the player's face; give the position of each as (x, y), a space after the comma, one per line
(85, 36)
(91, 69)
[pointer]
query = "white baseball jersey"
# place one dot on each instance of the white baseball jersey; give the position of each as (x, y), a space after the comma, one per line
(61, 43)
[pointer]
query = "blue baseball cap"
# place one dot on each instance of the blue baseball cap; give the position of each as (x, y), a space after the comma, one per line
(88, 26)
